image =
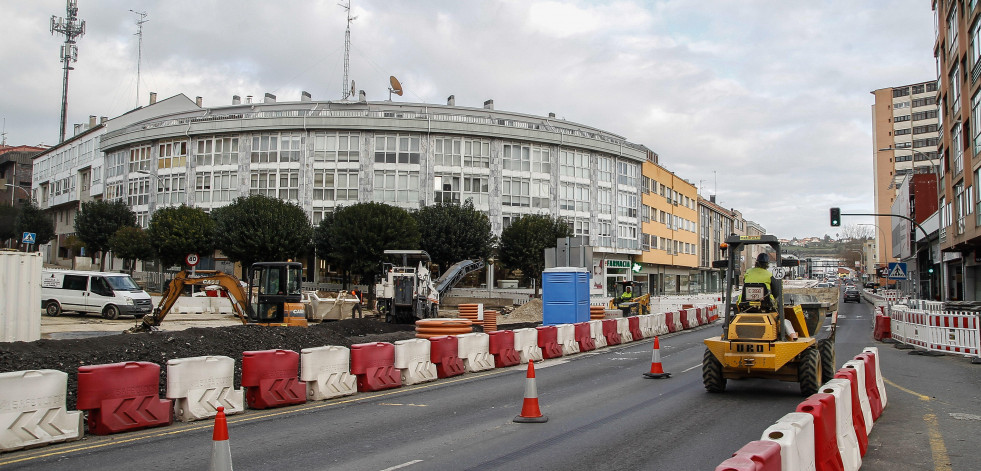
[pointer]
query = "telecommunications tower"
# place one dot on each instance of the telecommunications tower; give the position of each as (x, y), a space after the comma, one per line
(345, 91)
(72, 29)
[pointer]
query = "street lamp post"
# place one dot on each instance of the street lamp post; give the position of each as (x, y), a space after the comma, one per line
(934, 168)
(14, 192)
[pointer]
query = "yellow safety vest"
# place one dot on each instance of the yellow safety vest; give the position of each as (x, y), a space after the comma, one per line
(758, 275)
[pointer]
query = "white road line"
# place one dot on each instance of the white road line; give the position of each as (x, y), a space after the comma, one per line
(403, 465)
(692, 368)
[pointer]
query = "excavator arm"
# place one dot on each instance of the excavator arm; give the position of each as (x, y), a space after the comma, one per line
(227, 283)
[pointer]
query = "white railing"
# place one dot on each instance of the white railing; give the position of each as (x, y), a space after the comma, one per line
(934, 329)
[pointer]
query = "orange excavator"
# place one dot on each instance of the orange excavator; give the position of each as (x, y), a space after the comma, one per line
(272, 297)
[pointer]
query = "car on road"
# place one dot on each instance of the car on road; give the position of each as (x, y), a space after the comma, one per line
(852, 294)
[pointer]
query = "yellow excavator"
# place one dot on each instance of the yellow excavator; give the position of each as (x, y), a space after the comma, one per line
(271, 298)
(763, 336)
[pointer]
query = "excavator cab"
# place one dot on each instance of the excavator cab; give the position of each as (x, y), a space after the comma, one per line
(276, 285)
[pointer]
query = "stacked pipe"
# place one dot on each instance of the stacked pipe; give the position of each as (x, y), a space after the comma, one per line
(471, 312)
(490, 321)
(597, 313)
(426, 328)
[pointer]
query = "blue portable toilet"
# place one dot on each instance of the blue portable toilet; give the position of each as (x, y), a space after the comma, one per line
(565, 295)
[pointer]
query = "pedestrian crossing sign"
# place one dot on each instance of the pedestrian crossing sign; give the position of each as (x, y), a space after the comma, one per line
(28, 238)
(897, 271)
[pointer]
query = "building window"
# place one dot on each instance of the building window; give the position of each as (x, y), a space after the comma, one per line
(574, 163)
(578, 225)
(170, 189)
(956, 142)
(527, 158)
(900, 119)
(217, 151)
(335, 185)
(903, 132)
(116, 164)
(139, 159)
(627, 173)
(574, 197)
(952, 29)
(214, 186)
(955, 89)
(336, 147)
(898, 92)
(280, 183)
(396, 186)
(447, 189)
(399, 148)
(604, 169)
(604, 200)
(448, 152)
(138, 192)
(627, 204)
(277, 147)
(172, 154)
(976, 123)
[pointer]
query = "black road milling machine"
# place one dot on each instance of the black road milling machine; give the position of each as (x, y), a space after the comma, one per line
(767, 334)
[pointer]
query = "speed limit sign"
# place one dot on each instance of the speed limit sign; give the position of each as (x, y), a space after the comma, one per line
(191, 259)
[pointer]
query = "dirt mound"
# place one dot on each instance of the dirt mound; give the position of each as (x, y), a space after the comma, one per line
(158, 347)
(530, 311)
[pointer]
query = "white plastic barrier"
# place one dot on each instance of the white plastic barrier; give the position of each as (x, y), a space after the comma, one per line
(526, 344)
(474, 350)
(794, 433)
(845, 430)
(660, 324)
(623, 328)
(566, 336)
(647, 325)
(878, 374)
(413, 360)
(327, 372)
(677, 321)
(32, 410)
(199, 385)
(863, 395)
(596, 331)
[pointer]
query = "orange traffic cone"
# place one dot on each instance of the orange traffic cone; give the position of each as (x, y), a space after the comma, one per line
(530, 413)
(221, 453)
(656, 371)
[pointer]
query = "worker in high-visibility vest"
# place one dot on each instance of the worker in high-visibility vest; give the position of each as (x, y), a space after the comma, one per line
(627, 295)
(760, 274)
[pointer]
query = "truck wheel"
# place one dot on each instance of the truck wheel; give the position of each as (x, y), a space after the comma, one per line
(712, 373)
(52, 309)
(110, 312)
(809, 371)
(827, 349)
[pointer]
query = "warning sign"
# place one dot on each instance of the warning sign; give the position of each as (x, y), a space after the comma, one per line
(897, 271)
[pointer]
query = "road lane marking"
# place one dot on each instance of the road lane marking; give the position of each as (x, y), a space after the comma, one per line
(403, 465)
(922, 397)
(397, 404)
(941, 461)
(692, 368)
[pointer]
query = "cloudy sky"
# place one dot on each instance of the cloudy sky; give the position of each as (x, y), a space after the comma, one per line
(764, 103)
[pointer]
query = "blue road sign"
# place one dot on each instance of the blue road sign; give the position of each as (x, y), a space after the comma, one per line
(897, 271)
(29, 238)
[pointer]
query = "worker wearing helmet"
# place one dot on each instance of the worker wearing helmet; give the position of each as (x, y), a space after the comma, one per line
(760, 273)
(627, 295)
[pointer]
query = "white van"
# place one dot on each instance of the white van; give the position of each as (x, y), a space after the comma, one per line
(109, 294)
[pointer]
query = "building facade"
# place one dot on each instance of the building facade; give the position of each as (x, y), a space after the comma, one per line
(958, 54)
(905, 133)
(715, 223)
(321, 155)
(669, 213)
(15, 173)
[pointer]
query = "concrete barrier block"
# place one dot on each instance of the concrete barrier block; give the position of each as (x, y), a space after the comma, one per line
(794, 433)
(474, 350)
(526, 344)
(566, 337)
(596, 330)
(412, 359)
(199, 385)
(851, 456)
(33, 412)
(327, 372)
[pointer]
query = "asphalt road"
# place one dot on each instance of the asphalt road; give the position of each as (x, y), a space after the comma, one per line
(603, 414)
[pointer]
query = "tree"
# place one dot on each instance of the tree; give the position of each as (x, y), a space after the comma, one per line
(74, 245)
(34, 219)
(452, 232)
(98, 220)
(131, 243)
(8, 216)
(259, 228)
(358, 236)
(177, 231)
(523, 243)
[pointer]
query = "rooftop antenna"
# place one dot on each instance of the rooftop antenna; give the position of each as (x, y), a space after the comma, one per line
(139, 54)
(72, 29)
(3, 133)
(345, 92)
(396, 87)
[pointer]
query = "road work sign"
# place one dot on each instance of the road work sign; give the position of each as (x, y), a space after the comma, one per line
(897, 271)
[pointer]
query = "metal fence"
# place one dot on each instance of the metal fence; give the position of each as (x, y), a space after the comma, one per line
(931, 325)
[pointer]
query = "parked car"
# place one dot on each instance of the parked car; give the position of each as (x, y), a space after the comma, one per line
(852, 294)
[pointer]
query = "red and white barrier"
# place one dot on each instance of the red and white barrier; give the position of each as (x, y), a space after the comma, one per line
(947, 332)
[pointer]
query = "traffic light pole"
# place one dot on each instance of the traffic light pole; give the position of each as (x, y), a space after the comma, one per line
(918, 226)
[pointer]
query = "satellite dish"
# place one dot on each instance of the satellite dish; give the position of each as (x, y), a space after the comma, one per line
(396, 86)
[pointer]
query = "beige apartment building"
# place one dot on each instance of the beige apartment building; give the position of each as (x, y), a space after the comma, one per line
(905, 134)
(669, 204)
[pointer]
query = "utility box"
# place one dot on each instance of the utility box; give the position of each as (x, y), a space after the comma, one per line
(565, 295)
(20, 296)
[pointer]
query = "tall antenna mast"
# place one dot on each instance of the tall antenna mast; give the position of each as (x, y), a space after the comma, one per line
(345, 91)
(139, 54)
(72, 29)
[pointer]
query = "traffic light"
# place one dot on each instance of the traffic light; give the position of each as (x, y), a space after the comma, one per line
(835, 217)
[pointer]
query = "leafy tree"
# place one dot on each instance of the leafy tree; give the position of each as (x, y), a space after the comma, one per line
(259, 228)
(131, 243)
(8, 215)
(74, 245)
(321, 236)
(358, 236)
(452, 232)
(177, 231)
(34, 219)
(523, 243)
(98, 220)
